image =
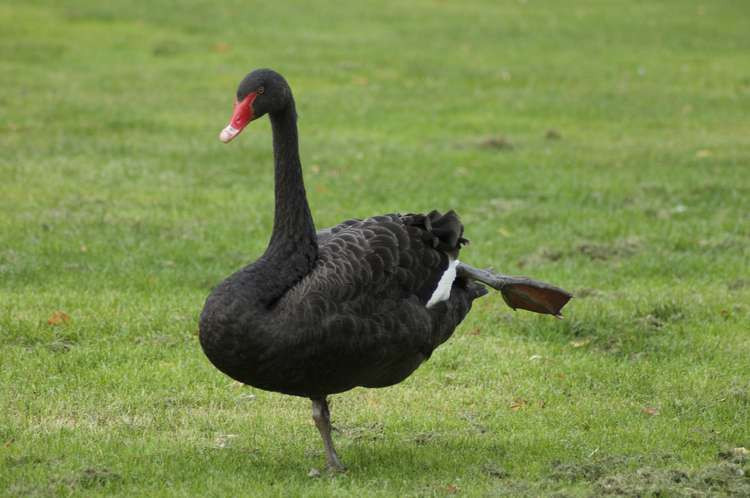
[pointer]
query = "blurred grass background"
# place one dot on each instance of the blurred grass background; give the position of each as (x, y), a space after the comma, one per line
(602, 146)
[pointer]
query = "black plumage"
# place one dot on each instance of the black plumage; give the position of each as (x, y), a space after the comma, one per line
(323, 312)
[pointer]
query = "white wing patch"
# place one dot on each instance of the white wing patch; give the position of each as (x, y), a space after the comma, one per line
(443, 290)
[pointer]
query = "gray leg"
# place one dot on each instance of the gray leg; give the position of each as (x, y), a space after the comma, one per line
(322, 418)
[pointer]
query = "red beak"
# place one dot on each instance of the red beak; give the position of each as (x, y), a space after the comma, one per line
(242, 115)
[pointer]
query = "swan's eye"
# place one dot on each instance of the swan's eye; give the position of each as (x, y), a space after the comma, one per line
(260, 90)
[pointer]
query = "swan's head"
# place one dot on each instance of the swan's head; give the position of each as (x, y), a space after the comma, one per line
(261, 92)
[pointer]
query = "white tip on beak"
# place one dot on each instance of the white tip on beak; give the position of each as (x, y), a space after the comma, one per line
(228, 133)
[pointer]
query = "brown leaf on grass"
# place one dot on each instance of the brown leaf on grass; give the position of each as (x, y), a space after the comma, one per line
(360, 80)
(58, 317)
(221, 47)
(518, 403)
(452, 489)
(703, 153)
(650, 410)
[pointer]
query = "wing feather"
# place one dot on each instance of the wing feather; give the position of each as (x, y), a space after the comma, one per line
(362, 308)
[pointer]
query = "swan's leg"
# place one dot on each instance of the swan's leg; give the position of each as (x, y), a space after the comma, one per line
(322, 418)
(520, 292)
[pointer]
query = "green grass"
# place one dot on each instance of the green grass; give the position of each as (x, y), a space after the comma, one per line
(121, 208)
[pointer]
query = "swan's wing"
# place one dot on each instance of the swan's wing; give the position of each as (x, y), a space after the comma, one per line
(361, 317)
(384, 257)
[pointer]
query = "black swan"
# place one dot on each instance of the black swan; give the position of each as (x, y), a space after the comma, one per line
(361, 304)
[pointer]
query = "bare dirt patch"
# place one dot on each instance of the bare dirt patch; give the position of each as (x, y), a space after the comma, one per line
(661, 314)
(637, 476)
(604, 252)
(496, 142)
(553, 134)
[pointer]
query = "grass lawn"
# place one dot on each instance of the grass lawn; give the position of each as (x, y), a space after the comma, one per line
(600, 146)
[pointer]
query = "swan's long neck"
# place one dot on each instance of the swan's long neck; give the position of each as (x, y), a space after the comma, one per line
(293, 225)
(293, 247)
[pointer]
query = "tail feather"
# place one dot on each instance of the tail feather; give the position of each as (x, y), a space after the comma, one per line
(443, 231)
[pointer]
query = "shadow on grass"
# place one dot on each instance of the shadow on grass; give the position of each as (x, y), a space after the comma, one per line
(408, 459)
(438, 467)
(437, 460)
